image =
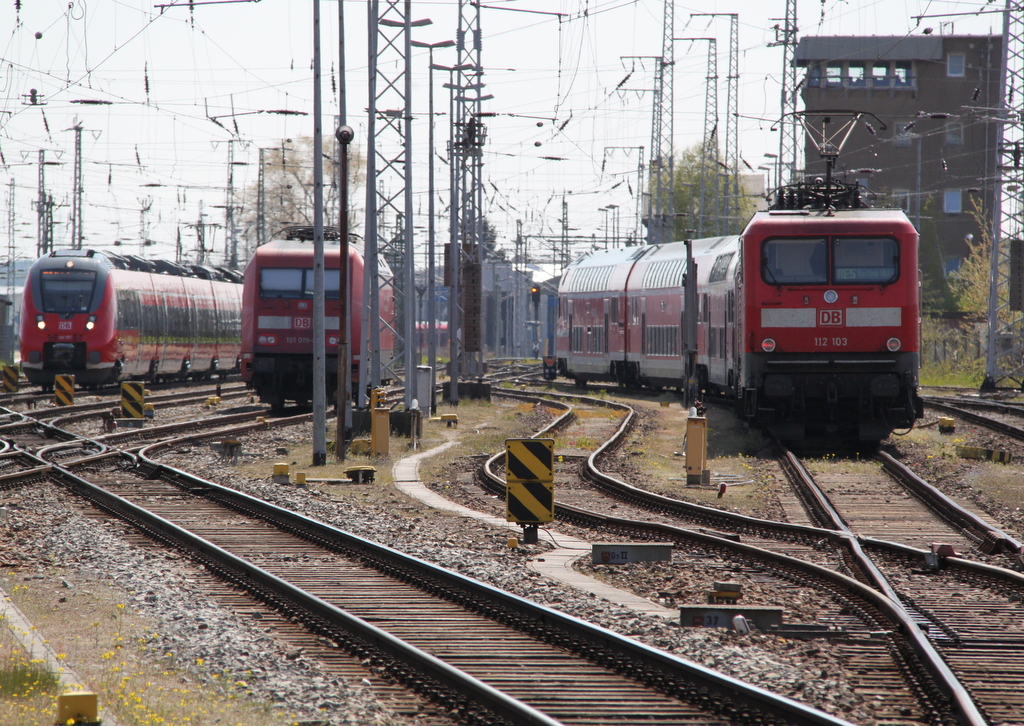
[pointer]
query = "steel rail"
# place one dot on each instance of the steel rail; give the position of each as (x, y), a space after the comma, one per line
(445, 683)
(962, 704)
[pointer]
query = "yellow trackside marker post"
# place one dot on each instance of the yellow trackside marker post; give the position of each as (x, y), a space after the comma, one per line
(697, 450)
(10, 379)
(133, 399)
(380, 424)
(64, 390)
(530, 484)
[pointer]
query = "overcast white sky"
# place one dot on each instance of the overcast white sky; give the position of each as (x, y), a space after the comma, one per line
(165, 71)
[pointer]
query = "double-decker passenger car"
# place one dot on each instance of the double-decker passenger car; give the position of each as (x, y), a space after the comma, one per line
(277, 320)
(809, 319)
(104, 317)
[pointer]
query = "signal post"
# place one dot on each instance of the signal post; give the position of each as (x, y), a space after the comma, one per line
(530, 488)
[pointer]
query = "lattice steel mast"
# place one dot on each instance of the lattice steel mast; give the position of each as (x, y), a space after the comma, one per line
(466, 252)
(708, 190)
(661, 215)
(1005, 358)
(730, 191)
(388, 194)
(789, 131)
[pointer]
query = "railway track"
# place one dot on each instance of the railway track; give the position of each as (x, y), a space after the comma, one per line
(492, 637)
(937, 599)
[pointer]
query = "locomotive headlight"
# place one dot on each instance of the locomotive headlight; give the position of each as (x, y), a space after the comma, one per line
(268, 340)
(893, 344)
(767, 345)
(90, 323)
(40, 323)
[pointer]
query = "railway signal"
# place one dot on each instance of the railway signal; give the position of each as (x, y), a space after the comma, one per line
(133, 399)
(64, 390)
(10, 379)
(529, 477)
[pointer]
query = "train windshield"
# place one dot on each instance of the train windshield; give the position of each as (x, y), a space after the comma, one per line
(66, 290)
(295, 282)
(865, 260)
(795, 261)
(854, 261)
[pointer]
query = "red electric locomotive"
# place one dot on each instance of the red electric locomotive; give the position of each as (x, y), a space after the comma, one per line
(104, 317)
(277, 320)
(828, 320)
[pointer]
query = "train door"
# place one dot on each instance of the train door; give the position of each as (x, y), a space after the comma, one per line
(730, 337)
(643, 329)
(604, 339)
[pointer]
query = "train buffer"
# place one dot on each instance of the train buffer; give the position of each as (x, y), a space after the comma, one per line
(361, 474)
(450, 419)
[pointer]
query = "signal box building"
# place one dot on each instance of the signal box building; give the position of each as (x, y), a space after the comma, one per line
(936, 94)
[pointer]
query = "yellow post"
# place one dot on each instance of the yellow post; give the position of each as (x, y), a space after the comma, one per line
(697, 450)
(380, 424)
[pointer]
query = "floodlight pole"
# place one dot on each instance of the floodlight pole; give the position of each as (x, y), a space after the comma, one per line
(319, 344)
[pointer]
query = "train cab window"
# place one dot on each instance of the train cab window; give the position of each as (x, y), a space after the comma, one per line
(332, 283)
(861, 260)
(67, 290)
(281, 282)
(801, 261)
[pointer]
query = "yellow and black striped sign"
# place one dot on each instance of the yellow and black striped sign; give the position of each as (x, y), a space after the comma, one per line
(10, 379)
(976, 452)
(64, 390)
(133, 399)
(529, 474)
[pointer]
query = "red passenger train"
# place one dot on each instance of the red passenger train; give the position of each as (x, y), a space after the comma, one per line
(809, 319)
(103, 317)
(277, 321)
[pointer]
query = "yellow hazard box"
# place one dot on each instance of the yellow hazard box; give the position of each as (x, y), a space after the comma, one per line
(361, 474)
(77, 707)
(947, 425)
(976, 452)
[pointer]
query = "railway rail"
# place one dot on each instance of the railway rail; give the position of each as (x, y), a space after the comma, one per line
(257, 547)
(918, 605)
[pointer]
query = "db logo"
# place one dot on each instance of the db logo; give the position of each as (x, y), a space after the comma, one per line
(303, 323)
(64, 325)
(830, 317)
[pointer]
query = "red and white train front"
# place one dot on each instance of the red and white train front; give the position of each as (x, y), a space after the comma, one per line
(829, 326)
(277, 319)
(101, 318)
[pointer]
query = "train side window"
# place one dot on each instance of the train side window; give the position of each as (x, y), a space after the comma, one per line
(281, 282)
(794, 261)
(860, 260)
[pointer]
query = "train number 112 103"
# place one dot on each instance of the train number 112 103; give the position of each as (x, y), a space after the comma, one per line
(830, 341)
